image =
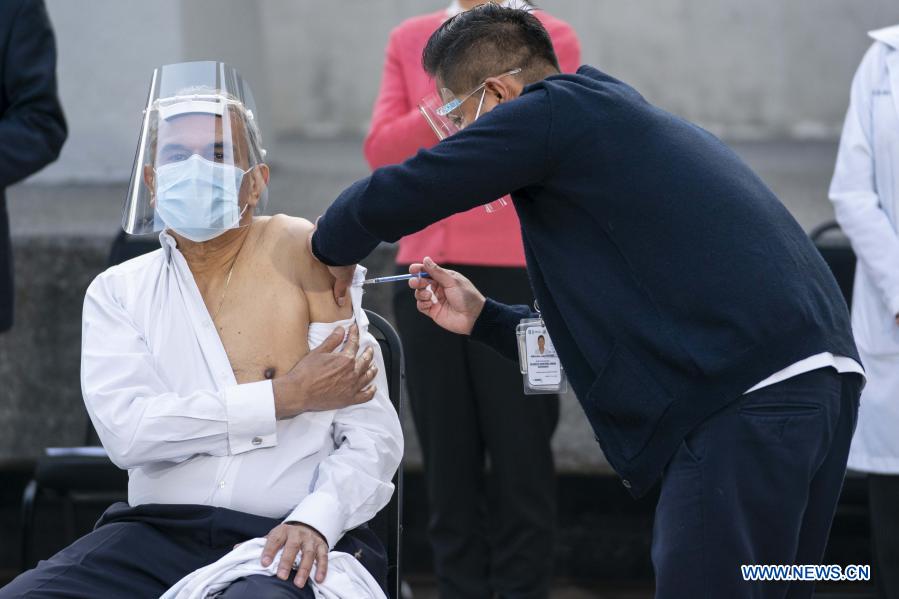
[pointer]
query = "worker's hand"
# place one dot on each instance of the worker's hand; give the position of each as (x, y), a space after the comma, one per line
(327, 380)
(448, 298)
(343, 275)
(343, 279)
(297, 539)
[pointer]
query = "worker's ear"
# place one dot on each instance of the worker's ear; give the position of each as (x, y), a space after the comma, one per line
(503, 89)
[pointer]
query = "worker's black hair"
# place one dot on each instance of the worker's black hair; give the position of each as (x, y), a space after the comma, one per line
(487, 41)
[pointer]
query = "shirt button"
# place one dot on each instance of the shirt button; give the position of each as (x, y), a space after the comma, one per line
(626, 483)
(222, 485)
(257, 440)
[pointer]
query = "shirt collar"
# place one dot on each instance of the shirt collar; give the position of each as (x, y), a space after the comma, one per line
(887, 35)
(454, 8)
(168, 244)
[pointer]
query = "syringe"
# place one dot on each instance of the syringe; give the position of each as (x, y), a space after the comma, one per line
(396, 278)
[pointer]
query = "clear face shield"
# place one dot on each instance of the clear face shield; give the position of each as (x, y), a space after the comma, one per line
(443, 111)
(199, 167)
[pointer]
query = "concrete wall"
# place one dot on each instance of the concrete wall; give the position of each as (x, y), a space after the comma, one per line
(765, 69)
(107, 50)
(745, 69)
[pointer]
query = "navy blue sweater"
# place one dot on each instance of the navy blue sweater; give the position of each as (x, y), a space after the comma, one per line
(670, 277)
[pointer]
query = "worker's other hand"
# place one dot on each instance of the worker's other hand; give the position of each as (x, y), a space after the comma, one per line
(325, 379)
(343, 275)
(448, 298)
(298, 540)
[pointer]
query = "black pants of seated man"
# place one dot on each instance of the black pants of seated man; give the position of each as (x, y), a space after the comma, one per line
(140, 552)
(491, 529)
(757, 483)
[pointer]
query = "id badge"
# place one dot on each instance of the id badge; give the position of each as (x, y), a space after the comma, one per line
(539, 363)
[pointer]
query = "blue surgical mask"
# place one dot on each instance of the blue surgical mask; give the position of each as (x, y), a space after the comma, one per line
(197, 198)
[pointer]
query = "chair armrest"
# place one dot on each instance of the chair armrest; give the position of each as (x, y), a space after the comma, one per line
(85, 469)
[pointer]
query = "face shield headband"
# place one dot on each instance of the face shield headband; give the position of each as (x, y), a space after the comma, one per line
(442, 111)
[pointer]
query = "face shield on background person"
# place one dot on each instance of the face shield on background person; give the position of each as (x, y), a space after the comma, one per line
(444, 111)
(199, 168)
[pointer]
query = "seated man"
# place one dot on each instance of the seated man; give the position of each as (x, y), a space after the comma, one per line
(198, 375)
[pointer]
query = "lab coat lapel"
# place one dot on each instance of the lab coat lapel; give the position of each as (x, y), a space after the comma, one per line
(890, 37)
(892, 60)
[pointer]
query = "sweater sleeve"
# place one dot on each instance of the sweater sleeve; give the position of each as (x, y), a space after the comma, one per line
(504, 150)
(32, 128)
(496, 326)
(397, 128)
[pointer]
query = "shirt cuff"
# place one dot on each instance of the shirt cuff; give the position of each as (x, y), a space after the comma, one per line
(496, 324)
(322, 512)
(251, 417)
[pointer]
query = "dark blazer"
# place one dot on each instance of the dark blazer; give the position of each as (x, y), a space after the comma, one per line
(670, 277)
(32, 126)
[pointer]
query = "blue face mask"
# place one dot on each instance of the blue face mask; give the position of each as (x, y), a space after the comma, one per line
(198, 199)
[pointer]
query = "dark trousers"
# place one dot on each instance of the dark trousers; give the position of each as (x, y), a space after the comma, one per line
(142, 551)
(491, 526)
(757, 483)
(883, 500)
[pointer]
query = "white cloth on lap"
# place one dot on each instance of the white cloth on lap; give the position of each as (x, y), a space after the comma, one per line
(346, 578)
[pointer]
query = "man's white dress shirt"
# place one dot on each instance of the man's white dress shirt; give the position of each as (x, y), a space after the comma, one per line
(162, 395)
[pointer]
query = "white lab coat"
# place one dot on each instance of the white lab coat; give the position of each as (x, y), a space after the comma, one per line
(865, 195)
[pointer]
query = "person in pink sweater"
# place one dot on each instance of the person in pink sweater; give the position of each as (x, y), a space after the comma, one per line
(491, 530)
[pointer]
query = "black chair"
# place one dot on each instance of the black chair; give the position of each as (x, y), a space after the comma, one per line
(388, 524)
(837, 252)
(75, 473)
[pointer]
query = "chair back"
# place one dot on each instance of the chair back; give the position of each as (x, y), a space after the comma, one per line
(388, 524)
(837, 253)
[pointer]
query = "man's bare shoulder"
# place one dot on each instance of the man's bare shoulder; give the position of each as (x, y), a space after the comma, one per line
(288, 237)
(288, 228)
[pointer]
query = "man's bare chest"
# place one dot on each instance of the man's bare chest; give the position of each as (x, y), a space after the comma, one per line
(263, 325)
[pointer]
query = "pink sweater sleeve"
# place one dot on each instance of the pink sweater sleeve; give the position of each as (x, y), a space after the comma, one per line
(397, 129)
